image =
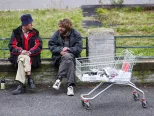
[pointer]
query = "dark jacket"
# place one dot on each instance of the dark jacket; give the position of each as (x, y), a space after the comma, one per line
(56, 45)
(16, 45)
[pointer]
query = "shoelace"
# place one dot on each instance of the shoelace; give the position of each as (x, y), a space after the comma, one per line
(57, 83)
(70, 87)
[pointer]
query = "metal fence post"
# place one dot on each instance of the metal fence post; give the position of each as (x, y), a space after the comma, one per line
(87, 47)
(114, 45)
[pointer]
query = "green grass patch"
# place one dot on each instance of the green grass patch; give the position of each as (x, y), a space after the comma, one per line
(44, 20)
(128, 21)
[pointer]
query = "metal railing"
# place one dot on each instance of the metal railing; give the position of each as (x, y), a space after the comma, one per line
(134, 47)
(4, 48)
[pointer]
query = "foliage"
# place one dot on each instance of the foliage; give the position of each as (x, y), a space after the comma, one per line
(127, 21)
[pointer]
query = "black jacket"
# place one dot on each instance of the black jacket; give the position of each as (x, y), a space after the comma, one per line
(56, 45)
(16, 45)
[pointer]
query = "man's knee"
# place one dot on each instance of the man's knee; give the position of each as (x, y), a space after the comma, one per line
(23, 57)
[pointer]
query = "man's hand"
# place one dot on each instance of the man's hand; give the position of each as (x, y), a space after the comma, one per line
(25, 52)
(28, 53)
(65, 49)
(62, 53)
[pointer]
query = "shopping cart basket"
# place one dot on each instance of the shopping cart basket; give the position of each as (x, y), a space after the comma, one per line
(107, 69)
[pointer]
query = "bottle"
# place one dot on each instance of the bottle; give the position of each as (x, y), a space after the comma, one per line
(3, 83)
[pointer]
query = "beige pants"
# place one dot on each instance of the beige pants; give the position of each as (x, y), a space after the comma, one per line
(24, 67)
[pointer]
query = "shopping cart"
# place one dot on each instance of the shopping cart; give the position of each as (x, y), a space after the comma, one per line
(108, 69)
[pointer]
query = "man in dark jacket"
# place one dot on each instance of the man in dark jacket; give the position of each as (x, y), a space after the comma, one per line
(65, 45)
(25, 47)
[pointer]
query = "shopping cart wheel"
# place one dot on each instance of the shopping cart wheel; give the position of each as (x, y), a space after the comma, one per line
(144, 104)
(86, 104)
(136, 96)
(82, 102)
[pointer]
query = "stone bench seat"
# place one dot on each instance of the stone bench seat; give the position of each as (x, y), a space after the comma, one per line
(47, 72)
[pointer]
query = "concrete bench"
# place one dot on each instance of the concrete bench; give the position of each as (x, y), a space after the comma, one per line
(143, 72)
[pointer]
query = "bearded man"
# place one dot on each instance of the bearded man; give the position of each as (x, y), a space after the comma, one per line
(65, 45)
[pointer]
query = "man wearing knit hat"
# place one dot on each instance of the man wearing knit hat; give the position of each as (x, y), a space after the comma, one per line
(25, 47)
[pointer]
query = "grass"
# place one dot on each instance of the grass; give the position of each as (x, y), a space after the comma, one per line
(44, 20)
(130, 21)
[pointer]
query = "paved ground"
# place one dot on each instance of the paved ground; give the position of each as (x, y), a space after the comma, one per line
(117, 101)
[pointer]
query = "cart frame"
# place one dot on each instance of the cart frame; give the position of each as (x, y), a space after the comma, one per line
(127, 61)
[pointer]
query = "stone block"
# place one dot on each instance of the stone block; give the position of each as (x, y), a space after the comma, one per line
(101, 41)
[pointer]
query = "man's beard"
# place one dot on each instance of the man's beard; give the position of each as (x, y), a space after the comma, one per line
(63, 32)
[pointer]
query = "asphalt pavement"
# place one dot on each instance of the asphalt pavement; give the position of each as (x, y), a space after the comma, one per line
(117, 101)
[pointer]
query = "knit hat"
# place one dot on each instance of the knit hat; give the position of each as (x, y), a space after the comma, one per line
(26, 19)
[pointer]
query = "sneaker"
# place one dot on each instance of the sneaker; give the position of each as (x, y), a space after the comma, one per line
(70, 91)
(57, 84)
